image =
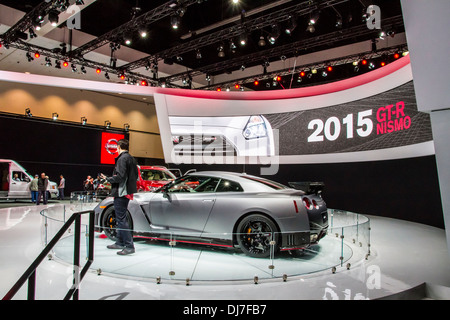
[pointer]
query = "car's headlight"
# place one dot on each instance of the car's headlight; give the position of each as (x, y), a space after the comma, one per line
(255, 128)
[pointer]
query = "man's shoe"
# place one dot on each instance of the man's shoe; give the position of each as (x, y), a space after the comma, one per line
(126, 251)
(115, 246)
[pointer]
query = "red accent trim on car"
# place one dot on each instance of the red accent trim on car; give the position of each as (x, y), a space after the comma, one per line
(185, 241)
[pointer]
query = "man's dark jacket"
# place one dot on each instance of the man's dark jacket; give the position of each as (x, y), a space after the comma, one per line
(125, 175)
(42, 184)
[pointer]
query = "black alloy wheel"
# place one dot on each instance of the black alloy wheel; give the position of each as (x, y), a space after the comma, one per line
(109, 223)
(255, 234)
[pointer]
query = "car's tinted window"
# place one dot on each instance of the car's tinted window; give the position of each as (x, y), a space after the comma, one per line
(229, 186)
(194, 184)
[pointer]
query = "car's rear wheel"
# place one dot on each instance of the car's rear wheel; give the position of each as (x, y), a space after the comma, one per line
(255, 234)
(109, 223)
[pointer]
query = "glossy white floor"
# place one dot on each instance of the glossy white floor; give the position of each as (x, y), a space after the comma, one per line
(403, 256)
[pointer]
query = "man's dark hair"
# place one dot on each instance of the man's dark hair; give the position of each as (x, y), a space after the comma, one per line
(124, 144)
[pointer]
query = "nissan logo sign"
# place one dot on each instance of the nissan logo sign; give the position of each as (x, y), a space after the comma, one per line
(111, 146)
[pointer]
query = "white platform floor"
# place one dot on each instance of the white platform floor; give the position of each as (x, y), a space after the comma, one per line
(403, 256)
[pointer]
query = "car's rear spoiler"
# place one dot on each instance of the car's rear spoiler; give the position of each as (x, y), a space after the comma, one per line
(308, 187)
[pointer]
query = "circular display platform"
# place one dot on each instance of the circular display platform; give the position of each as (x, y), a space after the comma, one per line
(347, 238)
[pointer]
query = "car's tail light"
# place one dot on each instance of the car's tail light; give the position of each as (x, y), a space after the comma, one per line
(307, 203)
(314, 203)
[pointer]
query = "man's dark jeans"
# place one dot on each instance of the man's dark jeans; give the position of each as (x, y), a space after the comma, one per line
(124, 234)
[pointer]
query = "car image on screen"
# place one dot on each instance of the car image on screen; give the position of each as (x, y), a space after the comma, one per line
(232, 210)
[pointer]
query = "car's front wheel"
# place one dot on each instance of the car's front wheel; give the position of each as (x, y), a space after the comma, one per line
(257, 235)
(109, 223)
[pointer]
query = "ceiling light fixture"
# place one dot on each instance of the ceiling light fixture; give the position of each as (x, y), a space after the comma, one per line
(273, 36)
(48, 62)
(221, 53)
(29, 57)
(291, 25)
(55, 116)
(83, 121)
(175, 21)
(53, 17)
(243, 38)
(262, 41)
(28, 112)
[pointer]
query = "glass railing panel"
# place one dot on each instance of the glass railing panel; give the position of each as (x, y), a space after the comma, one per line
(165, 256)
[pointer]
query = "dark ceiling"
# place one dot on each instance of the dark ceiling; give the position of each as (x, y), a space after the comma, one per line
(114, 20)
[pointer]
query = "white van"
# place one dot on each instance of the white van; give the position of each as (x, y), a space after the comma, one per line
(15, 182)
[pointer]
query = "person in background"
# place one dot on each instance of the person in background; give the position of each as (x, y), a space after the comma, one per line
(123, 186)
(61, 187)
(42, 189)
(34, 188)
(88, 184)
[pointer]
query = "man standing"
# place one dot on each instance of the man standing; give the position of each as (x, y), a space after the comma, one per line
(34, 188)
(61, 186)
(123, 185)
(42, 189)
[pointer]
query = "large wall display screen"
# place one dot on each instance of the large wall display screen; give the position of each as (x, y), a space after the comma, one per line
(369, 117)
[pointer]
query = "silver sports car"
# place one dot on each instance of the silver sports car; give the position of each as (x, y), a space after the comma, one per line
(226, 209)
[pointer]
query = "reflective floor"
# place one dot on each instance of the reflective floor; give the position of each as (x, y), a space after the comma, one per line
(403, 255)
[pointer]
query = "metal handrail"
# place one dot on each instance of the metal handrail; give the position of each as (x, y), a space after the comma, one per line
(30, 274)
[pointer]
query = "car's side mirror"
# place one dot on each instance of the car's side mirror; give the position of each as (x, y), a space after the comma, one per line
(167, 195)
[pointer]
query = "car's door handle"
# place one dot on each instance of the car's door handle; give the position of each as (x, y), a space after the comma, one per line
(208, 200)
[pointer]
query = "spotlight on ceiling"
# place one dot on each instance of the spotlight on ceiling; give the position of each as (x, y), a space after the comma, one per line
(48, 62)
(232, 46)
(74, 68)
(107, 124)
(274, 34)
(339, 21)
(221, 53)
(198, 54)
(291, 25)
(128, 38)
(55, 116)
(57, 64)
(29, 57)
(98, 70)
(28, 113)
(83, 70)
(243, 38)
(32, 33)
(83, 121)
(143, 33)
(65, 64)
(53, 17)
(262, 41)
(175, 21)
(126, 127)
(314, 17)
